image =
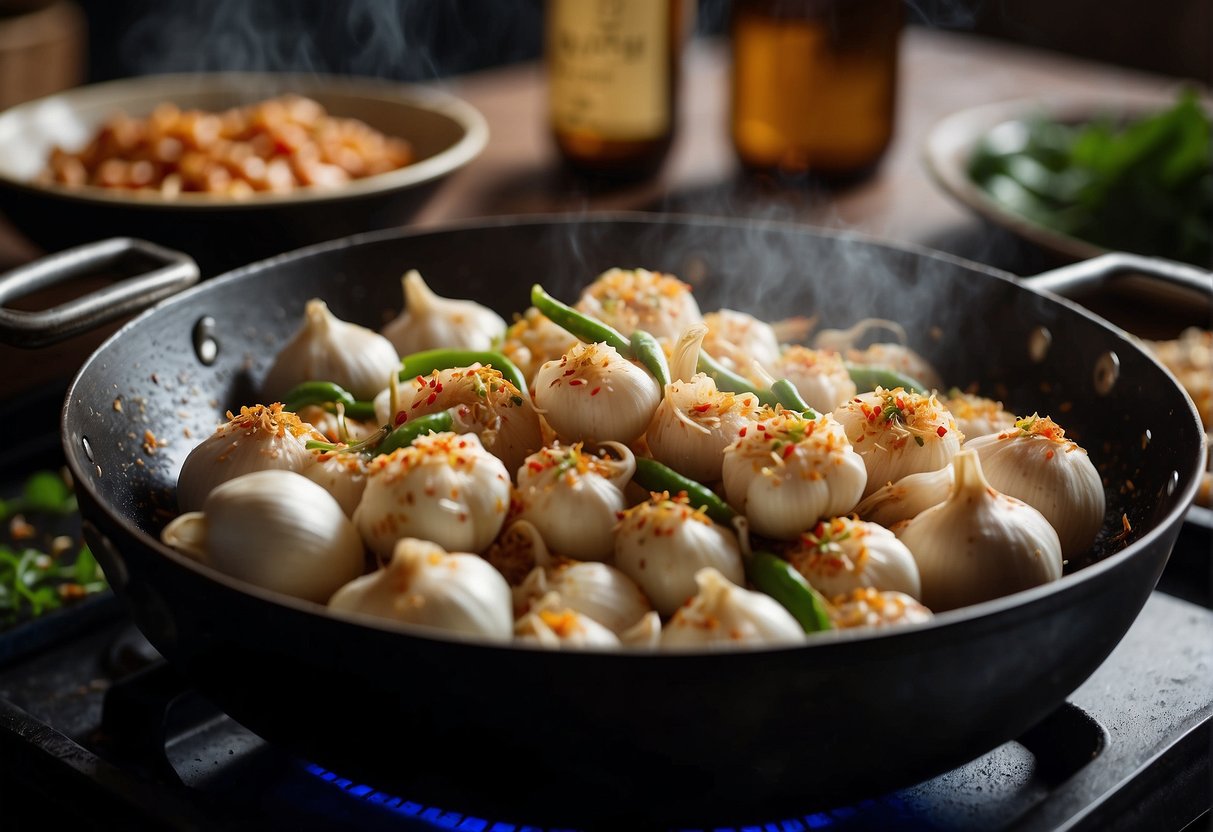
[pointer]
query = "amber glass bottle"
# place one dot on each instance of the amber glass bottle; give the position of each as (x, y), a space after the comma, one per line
(814, 84)
(613, 82)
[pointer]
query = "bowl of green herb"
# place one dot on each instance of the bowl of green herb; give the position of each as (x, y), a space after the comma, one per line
(1083, 177)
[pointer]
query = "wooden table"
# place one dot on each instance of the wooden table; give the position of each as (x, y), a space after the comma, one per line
(942, 72)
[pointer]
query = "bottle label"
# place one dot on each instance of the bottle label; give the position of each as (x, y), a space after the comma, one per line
(608, 67)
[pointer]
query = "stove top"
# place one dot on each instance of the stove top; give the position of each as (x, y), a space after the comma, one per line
(95, 728)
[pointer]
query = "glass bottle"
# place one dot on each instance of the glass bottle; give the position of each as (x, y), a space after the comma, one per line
(613, 82)
(814, 84)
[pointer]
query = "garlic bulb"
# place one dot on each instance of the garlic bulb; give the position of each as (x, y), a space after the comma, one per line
(977, 416)
(787, 472)
(738, 340)
(723, 616)
(573, 497)
(695, 422)
(819, 375)
(898, 433)
(841, 555)
(894, 356)
(426, 586)
(633, 299)
(979, 544)
(532, 340)
(1036, 463)
(869, 607)
(274, 529)
(430, 322)
(444, 487)
(553, 624)
(480, 401)
(327, 348)
(907, 498)
(259, 439)
(661, 544)
(593, 394)
(341, 474)
(601, 592)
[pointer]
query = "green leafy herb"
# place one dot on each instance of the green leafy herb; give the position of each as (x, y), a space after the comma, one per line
(1145, 186)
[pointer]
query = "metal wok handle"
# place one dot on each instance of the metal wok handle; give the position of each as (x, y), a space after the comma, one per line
(176, 271)
(1106, 268)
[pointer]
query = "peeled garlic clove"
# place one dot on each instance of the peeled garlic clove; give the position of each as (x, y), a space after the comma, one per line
(571, 498)
(604, 593)
(907, 498)
(480, 401)
(341, 474)
(841, 555)
(661, 544)
(738, 340)
(644, 635)
(274, 529)
(869, 607)
(979, 544)
(787, 472)
(430, 322)
(259, 438)
(695, 422)
(532, 340)
(898, 433)
(593, 394)
(820, 376)
(556, 625)
(632, 299)
(1036, 463)
(327, 348)
(977, 416)
(724, 616)
(444, 487)
(427, 586)
(516, 553)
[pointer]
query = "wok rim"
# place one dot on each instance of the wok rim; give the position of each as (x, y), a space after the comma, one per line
(949, 621)
(471, 122)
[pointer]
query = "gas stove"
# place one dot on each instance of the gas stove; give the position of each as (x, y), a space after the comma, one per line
(96, 728)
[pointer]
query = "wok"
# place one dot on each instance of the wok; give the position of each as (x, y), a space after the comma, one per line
(615, 739)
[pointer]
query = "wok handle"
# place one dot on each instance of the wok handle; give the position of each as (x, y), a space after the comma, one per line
(1106, 268)
(175, 271)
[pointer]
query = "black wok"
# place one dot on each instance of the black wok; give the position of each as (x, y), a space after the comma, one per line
(650, 737)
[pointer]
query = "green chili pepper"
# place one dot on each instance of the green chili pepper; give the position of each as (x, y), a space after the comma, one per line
(404, 435)
(576, 323)
(327, 394)
(654, 476)
(424, 363)
(729, 382)
(786, 394)
(869, 378)
(779, 579)
(646, 350)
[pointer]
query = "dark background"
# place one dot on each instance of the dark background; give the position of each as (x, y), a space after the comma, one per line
(422, 39)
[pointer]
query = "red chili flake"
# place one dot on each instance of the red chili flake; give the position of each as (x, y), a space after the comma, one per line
(788, 451)
(594, 392)
(431, 398)
(1049, 455)
(742, 431)
(941, 430)
(420, 380)
(569, 372)
(535, 466)
(401, 418)
(761, 427)
(576, 382)
(702, 408)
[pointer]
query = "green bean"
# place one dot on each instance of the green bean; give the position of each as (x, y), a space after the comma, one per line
(327, 394)
(404, 435)
(730, 382)
(654, 476)
(779, 579)
(424, 363)
(646, 350)
(576, 323)
(869, 378)
(786, 394)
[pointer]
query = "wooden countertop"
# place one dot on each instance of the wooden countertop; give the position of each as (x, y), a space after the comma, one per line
(941, 73)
